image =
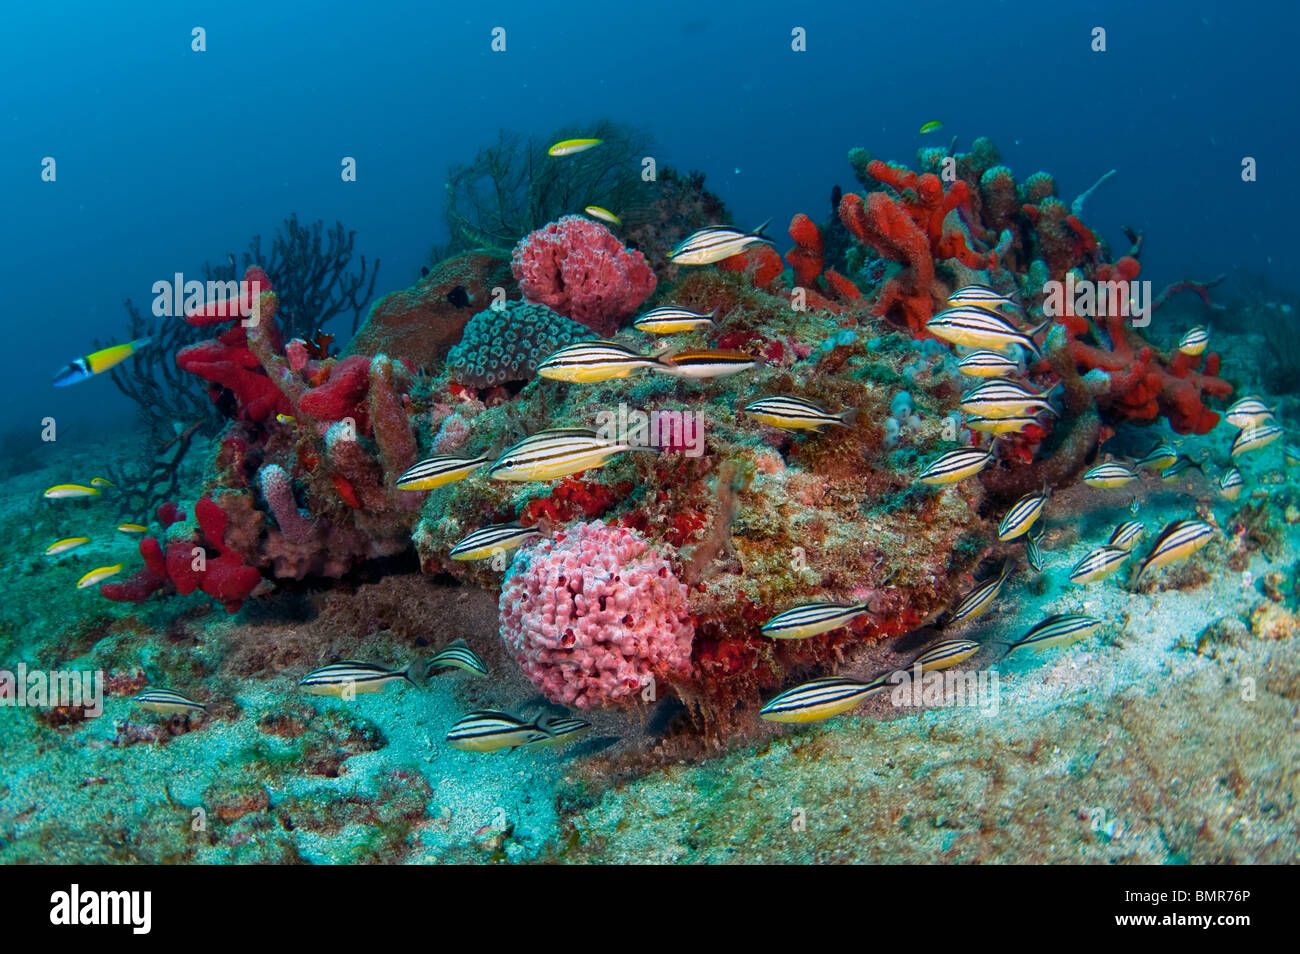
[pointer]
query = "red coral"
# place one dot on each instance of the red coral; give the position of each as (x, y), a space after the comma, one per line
(882, 223)
(342, 395)
(807, 256)
(760, 263)
(578, 268)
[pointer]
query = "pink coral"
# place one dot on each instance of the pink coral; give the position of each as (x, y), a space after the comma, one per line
(594, 615)
(579, 269)
(294, 523)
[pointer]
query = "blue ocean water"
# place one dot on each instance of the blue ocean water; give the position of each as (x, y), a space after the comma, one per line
(168, 157)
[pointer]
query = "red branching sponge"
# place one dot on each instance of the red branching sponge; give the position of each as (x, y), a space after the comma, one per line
(883, 224)
(342, 395)
(808, 253)
(761, 263)
(578, 268)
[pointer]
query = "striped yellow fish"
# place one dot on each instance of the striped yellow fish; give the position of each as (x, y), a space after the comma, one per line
(1177, 541)
(1291, 455)
(976, 327)
(489, 541)
(1032, 549)
(1000, 425)
(811, 619)
(98, 575)
(715, 243)
(168, 702)
(795, 414)
(1110, 475)
(819, 699)
(1127, 534)
(596, 212)
(132, 528)
(980, 296)
(1231, 482)
(1022, 515)
(988, 364)
(65, 545)
(558, 731)
(979, 599)
(97, 363)
(570, 147)
(670, 319)
(999, 397)
(586, 362)
(1061, 629)
(457, 655)
(956, 465)
(945, 654)
(1194, 342)
(1099, 564)
(1248, 411)
(1159, 457)
(437, 471)
(1253, 438)
(549, 455)
(101, 482)
(70, 492)
(487, 730)
(1181, 463)
(349, 676)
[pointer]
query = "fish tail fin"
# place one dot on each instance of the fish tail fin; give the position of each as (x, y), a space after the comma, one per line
(849, 417)
(1029, 336)
(139, 343)
(759, 233)
(417, 673)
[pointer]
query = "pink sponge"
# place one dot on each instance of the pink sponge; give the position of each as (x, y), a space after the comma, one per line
(594, 615)
(578, 268)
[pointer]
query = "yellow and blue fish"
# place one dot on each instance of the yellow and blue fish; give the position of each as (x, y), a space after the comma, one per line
(97, 362)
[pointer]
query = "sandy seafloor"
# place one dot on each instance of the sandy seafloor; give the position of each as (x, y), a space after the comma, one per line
(1170, 736)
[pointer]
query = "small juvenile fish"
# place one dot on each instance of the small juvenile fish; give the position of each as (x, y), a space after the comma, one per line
(1231, 482)
(819, 699)
(1253, 438)
(1181, 463)
(715, 243)
(437, 471)
(1000, 425)
(999, 397)
(65, 545)
(1177, 541)
(285, 418)
(1099, 564)
(457, 655)
(980, 296)
(548, 455)
(487, 730)
(811, 619)
(1193, 343)
(1127, 534)
(956, 465)
(1247, 412)
(132, 528)
(70, 491)
(337, 678)
(98, 574)
(97, 362)
(945, 654)
(1061, 629)
(101, 482)
(1159, 457)
(980, 598)
(489, 541)
(1032, 549)
(795, 414)
(569, 147)
(168, 702)
(1110, 475)
(973, 326)
(560, 731)
(932, 126)
(596, 212)
(1022, 515)
(706, 363)
(987, 364)
(585, 362)
(669, 320)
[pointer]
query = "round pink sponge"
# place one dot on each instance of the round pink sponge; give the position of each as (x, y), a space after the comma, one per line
(595, 614)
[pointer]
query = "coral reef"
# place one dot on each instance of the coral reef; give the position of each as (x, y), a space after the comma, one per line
(579, 269)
